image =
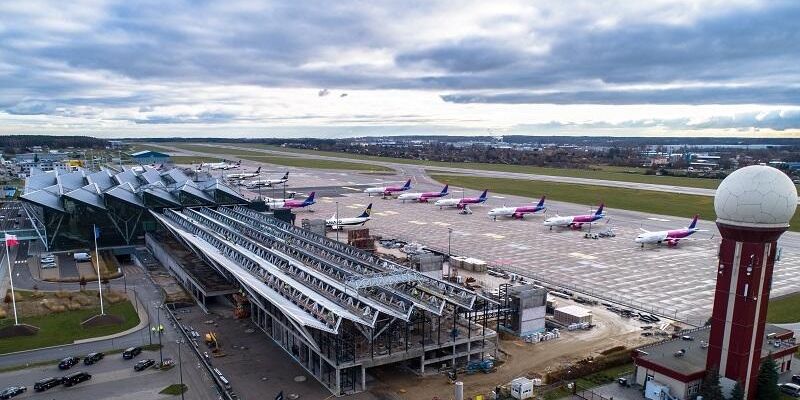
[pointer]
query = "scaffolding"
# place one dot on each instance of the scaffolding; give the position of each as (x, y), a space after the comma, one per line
(337, 310)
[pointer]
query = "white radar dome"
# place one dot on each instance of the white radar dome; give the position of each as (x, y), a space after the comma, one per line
(756, 196)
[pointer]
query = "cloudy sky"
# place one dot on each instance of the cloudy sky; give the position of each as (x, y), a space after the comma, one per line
(347, 68)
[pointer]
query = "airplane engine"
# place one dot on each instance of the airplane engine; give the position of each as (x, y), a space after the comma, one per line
(518, 215)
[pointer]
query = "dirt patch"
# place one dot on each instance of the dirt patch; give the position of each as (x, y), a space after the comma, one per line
(102, 320)
(18, 330)
(520, 359)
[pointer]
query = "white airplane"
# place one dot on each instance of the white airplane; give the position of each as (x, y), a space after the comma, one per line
(575, 221)
(388, 190)
(290, 203)
(244, 175)
(335, 223)
(423, 197)
(267, 182)
(517, 212)
(219, 165)
(671, 236)
(462, 203)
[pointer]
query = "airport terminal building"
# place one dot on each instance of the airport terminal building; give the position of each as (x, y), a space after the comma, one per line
(63, 205)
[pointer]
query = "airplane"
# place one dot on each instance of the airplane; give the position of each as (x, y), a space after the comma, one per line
(462, 202)
(244, 175)
(517, 212)
(268, 182)
(335, 223)
(388, 190)
(671, 236)
(424, 197)
(575, 221)
(288, 203)
(219, 165)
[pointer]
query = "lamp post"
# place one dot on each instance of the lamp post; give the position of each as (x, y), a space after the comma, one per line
(449, 242)
(180, 366)
(159, 329)
(336, 222)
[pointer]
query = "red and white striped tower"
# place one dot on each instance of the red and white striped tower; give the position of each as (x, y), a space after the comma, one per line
(753, 206)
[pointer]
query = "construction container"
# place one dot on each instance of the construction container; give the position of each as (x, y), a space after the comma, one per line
(522, 388)
(572, 314)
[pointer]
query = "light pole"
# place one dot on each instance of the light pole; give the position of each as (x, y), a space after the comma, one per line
(336, 222)
(449, 241)
(180, 366)
(159, 329)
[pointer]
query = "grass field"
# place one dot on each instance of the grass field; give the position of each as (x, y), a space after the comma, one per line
(625, 174)
(288, 161)
(784, 310)
(65, 327)
(679, 205)
(174, 389)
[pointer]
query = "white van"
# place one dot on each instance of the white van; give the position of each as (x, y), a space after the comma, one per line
(80, 257)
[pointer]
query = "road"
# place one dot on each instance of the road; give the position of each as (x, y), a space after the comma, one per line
(112, 382)
(419, 170)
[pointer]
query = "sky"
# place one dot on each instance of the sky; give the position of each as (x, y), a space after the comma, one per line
(239, 68)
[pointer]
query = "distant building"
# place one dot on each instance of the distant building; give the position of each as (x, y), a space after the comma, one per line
(150, 157)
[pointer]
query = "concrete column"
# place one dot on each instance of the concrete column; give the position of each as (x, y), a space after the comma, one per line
(363, 379)
(337, 390)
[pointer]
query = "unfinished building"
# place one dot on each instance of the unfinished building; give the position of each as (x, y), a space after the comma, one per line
(338, 311)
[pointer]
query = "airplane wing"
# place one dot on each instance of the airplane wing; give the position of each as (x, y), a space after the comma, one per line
(644, 230)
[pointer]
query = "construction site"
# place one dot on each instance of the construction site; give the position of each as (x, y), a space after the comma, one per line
(338, 311)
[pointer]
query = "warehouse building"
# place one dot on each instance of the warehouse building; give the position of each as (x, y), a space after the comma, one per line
(149, 157)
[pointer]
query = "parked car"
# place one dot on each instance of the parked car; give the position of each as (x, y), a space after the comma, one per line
(47, 383)
(76, 378)
(143, 365)
(47, 259)
(796, 379)
(68, 362)
(12, 391)
(790, 388)
(48, 265)
(92, 358)
(80, 257)
(131, 352)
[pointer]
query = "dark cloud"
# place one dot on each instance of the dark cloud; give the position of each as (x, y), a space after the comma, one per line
(465, 56)
(694, 96)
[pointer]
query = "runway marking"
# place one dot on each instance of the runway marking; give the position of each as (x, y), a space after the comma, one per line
(441, 223)
(390, 212)
(417, 222)
(582, 256)
(349, 188)
(658, 219)
(353, 206)
(359, 205)
(494, 236)
(382, 214)
(498, 197)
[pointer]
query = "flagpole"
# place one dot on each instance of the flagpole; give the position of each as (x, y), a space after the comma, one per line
(11, 280)
(97, 261)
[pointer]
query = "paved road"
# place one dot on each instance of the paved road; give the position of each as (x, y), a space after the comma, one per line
(418, 170)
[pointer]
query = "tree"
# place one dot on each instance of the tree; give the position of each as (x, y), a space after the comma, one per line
(710, 388)
(83, 283)
(767, 385)
(738, 391)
